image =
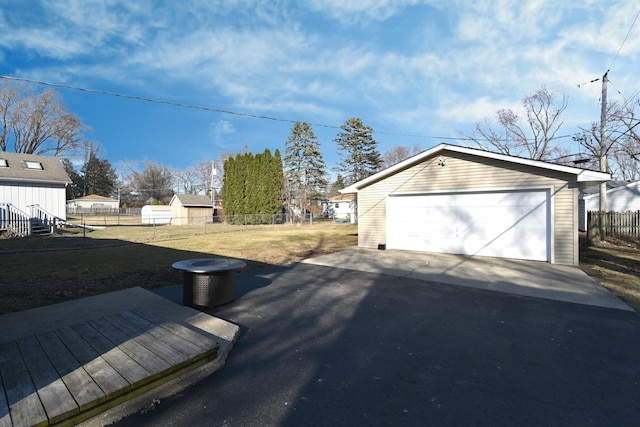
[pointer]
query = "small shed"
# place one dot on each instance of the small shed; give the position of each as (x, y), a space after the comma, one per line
(190, 209)
(93, 203)
(343, 208)
(156, 214)
(621, 197)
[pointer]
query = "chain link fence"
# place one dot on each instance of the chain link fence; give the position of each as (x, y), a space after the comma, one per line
(105, 220)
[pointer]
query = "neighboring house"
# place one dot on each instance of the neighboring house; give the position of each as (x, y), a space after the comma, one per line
(343, 208)
(32, 188)
(93, 203)
(461, 200)
(621, 197)
(316, 211)
(188, 209)
(156, 214)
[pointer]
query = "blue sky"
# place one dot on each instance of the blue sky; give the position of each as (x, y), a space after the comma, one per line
(430, 68)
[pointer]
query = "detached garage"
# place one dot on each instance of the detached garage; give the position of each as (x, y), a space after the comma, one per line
(461, 200)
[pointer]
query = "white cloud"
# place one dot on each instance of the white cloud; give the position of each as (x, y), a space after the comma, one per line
(358, 10)
(475, 110)
(222, 127)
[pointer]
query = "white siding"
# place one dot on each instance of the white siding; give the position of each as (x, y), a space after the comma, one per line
(466, 172)
(51, 199)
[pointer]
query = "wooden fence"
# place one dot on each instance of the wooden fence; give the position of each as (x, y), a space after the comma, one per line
(616, 224)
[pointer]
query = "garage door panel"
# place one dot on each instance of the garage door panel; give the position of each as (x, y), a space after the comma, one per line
(503, 224)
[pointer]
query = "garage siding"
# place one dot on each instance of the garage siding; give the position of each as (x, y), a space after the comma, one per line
(465, 172)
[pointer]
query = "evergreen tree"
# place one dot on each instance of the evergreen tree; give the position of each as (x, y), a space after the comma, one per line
(74, 190)
(252, 187)
(304, 165)
(336, 186)
(358, 150)
(96, 176)
(99, 177)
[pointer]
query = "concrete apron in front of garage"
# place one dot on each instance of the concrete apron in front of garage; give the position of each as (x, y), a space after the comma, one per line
(527, 278)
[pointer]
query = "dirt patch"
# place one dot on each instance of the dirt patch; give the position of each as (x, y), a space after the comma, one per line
(615, 264)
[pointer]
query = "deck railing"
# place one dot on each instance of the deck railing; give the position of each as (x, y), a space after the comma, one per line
(14, 220)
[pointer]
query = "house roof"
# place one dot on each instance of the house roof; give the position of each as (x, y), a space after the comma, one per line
(343, 198)
(614, 188)
(96, 197)
(16, 170)
(584, 177)
(194, 200)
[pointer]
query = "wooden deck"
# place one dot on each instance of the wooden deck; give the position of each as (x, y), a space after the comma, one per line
(70, 374)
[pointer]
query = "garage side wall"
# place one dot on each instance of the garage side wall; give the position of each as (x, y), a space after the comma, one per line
(464, 172)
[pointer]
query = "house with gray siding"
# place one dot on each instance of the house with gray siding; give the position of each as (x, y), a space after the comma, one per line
(461, 200)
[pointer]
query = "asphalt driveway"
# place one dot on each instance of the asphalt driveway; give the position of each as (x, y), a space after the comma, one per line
(323, 346)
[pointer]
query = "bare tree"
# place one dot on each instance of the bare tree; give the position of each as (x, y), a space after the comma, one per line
(531, 136)
(37, 123)
(398, 154)
(154, 181)
(623, 140)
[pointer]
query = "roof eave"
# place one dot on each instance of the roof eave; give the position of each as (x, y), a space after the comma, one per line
(585, 177)
(36, 181)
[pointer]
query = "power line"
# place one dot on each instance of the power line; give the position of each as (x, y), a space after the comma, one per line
(235, 113)
(623, 41)
(210, 109)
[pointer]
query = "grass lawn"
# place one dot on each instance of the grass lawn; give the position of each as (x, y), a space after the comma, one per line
(81, 262)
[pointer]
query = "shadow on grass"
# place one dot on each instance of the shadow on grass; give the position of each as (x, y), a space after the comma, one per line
(64, 268)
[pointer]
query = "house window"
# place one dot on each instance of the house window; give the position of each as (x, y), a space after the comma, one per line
(4, 163)
(337, 206)
(32, 165)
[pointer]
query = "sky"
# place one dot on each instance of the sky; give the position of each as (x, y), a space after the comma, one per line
(417, 72)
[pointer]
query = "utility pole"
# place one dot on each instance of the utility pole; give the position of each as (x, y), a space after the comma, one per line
(213, 176)
(603, 143)
(603, 158)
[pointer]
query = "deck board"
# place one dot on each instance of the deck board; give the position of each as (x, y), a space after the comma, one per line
(5, 418)
(107, 378)
(80, 384)
(194, 337)
(76, 371)
(54, 395)
(145, 357)
(128, 368)
(22, 397)
(158, 331)
(154, 344)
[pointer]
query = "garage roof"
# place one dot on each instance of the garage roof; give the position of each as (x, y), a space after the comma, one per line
(584, 177)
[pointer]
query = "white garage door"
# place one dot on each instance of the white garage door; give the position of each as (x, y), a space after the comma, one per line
(510, 224)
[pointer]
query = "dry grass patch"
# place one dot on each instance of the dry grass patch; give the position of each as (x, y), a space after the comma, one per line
(615, 264)
(42, 271)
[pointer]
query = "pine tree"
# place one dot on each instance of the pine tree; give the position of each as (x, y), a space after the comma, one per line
(305, 168)
(336, 186)
(358, 150)
(99, 177)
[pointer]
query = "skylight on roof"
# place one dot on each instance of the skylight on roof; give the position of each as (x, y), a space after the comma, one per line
(32, 165)
(4, 163)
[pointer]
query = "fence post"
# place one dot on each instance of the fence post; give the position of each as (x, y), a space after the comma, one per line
(593, 227)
